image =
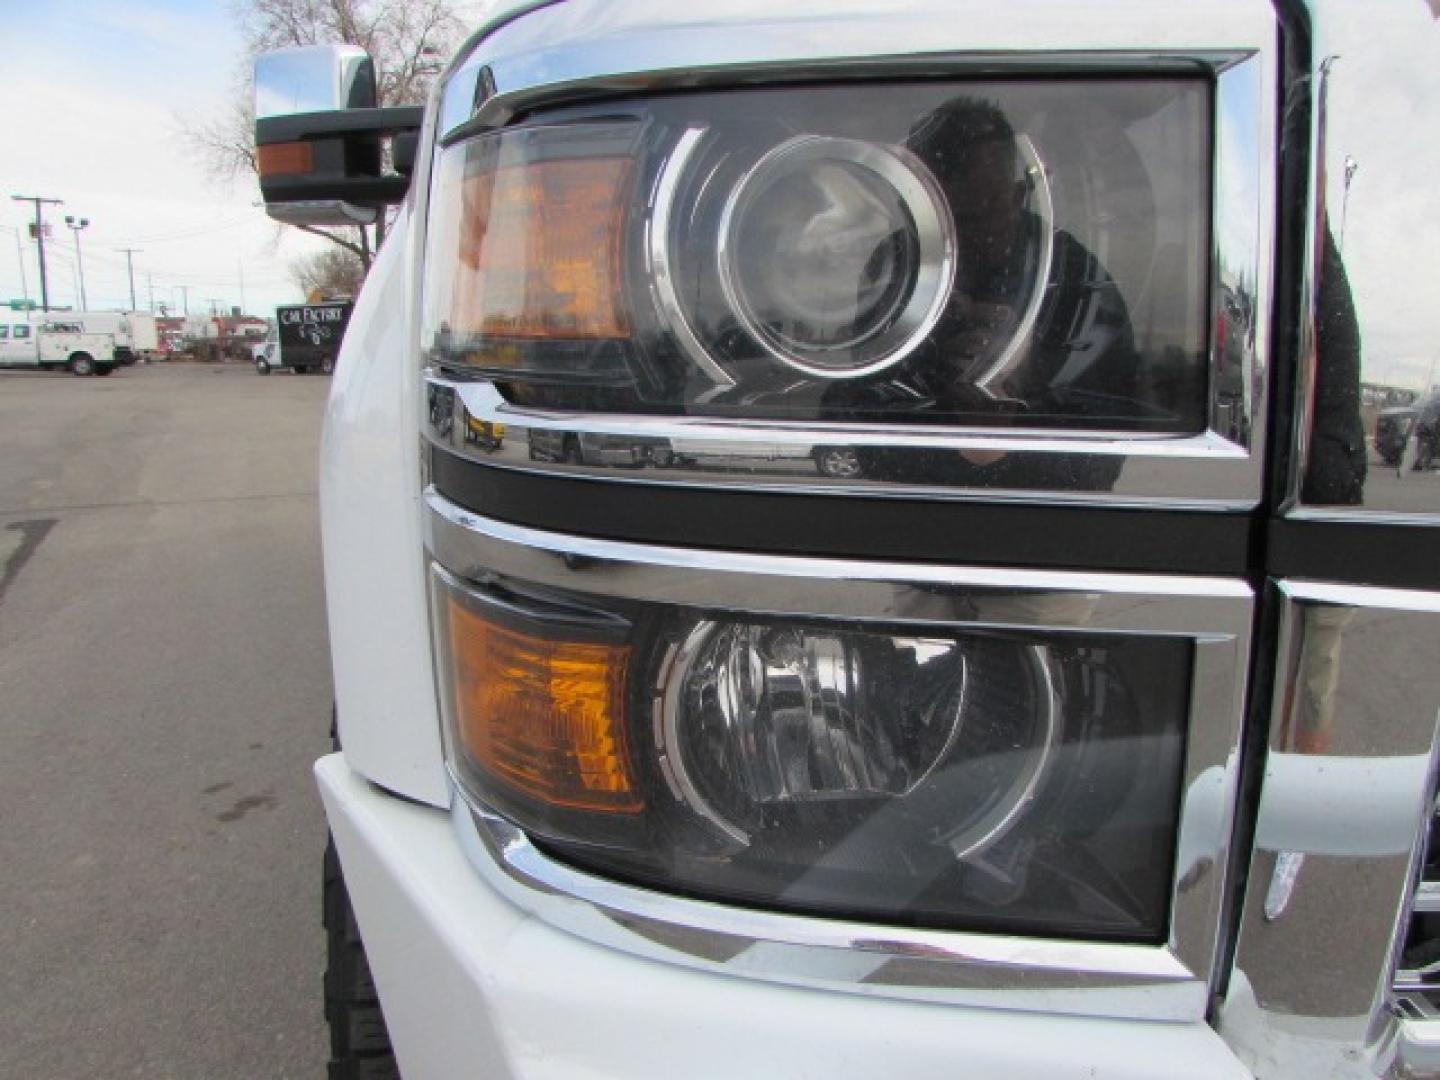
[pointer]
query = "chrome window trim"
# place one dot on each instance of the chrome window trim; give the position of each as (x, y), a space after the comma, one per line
(1330, 821)
(1220, 468)
(1156, 982)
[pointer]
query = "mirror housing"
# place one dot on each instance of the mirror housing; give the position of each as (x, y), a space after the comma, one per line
(313, 78)
(320, 140)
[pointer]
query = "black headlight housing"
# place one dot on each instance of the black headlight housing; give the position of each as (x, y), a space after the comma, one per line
(905, 774)
(1025, 253)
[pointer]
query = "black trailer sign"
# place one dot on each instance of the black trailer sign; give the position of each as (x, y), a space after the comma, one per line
(310, 334)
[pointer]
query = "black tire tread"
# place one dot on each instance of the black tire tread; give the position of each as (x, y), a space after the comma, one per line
(359, 1041)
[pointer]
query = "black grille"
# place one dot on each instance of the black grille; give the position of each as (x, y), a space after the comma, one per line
(1417, 975)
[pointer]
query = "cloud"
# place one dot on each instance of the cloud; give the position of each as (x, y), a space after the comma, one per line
(101, 85)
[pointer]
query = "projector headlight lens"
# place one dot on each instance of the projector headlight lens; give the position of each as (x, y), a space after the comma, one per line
(837, 254)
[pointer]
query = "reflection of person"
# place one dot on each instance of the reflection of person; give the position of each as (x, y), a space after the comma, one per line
(1078, 363)
(1335, 467)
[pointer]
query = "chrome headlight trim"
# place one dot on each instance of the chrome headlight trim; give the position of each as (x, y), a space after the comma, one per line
(1220, 468)
(1164, 982)
(661, 266)
(1199, 472)
(1340, 833)
(570, 54)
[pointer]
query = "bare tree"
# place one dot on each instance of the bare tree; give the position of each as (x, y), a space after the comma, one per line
(405, 38)
(332, 272)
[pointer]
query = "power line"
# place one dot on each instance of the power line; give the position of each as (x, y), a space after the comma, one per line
(192, 278)
(186, 234)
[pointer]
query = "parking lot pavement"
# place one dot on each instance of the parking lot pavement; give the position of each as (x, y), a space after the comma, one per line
(164, 689)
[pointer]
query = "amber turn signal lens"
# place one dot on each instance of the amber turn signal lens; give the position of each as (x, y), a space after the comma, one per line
(540, 255)
(289, 159)
(543, 716)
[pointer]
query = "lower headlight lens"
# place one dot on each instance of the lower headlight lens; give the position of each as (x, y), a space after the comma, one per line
(1023, 782)
(761, 717)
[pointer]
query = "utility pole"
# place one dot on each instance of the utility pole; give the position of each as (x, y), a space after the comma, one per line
(150, 284)
(39, 227)
(75, 225)
(184, 299)
(130, 263)
(241, 267)
(20, 260)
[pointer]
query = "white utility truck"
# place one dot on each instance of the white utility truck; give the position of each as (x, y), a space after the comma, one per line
(135, 332)
(54, 345)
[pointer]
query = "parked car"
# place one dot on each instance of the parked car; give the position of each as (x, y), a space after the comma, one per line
(1077, 719)
(1395, 426)
(628, 451)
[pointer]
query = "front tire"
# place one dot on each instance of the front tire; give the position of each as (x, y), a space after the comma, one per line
(262, 367)
(81, 363)
(359, 1041)
(327, 367)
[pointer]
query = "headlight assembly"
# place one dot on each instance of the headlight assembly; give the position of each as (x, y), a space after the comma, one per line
(910, 775)
(1023, 253)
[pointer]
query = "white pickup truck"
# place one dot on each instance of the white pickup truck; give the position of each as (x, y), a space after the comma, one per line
(1069, 712)
(54, 345)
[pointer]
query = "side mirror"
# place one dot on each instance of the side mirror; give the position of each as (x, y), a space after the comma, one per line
(320, 140)
(313, 78)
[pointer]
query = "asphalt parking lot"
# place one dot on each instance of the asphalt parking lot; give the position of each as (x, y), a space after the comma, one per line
(164, 687)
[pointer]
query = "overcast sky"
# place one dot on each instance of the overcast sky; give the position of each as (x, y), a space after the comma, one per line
(1383, 91)
(97, 94)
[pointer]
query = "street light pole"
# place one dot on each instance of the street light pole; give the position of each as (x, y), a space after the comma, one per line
(1351, 167)
(76, 225)
(40, 202)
